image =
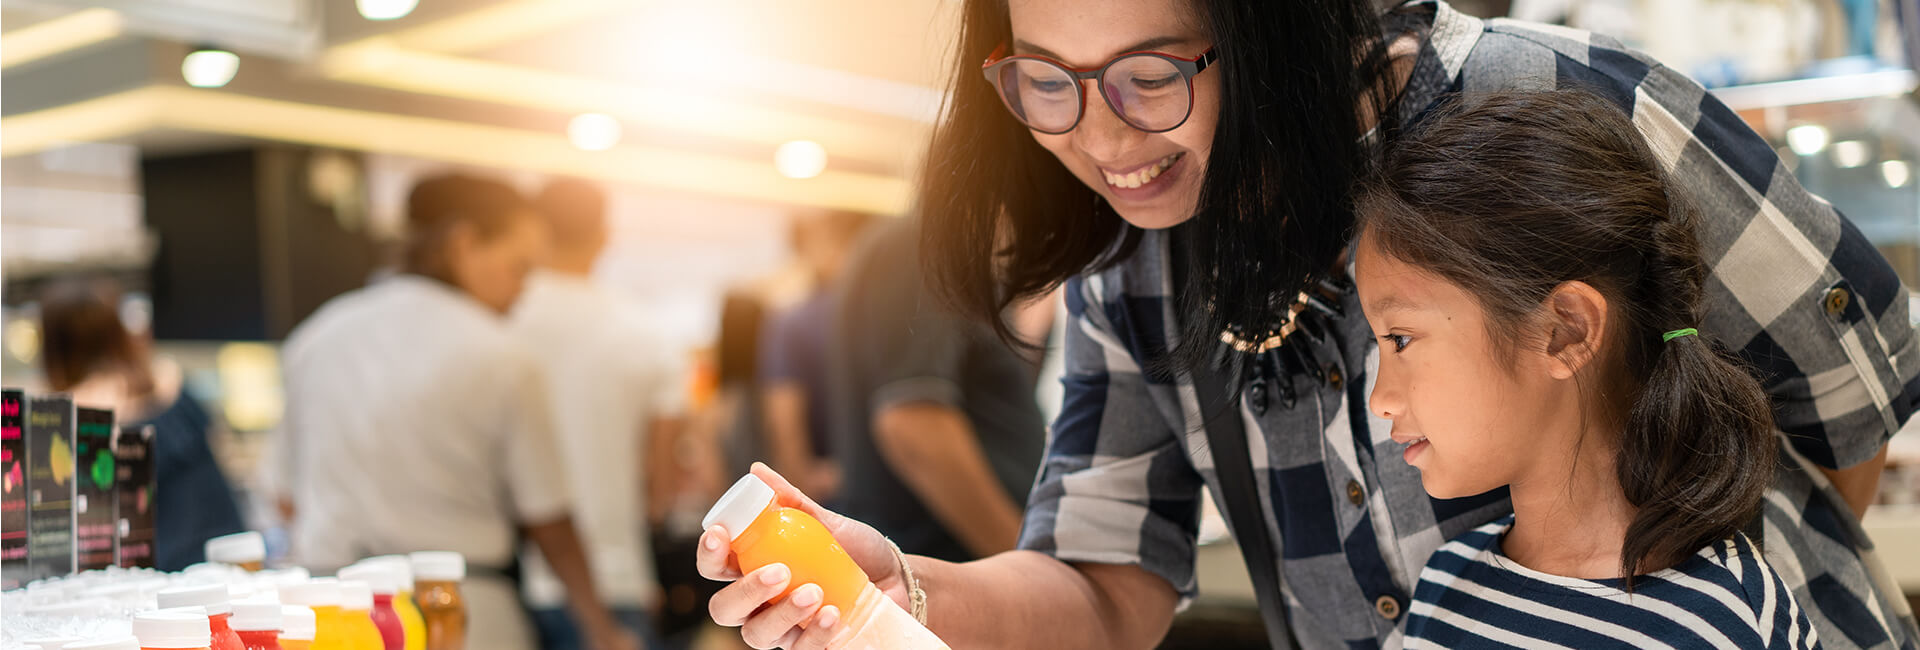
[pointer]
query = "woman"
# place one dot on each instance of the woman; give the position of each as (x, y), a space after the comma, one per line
(91, 353)
(1225, 218)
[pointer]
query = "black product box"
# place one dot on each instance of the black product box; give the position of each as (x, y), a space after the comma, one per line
(95, 525)
(133, 492)
(13, 500)
(51, 484)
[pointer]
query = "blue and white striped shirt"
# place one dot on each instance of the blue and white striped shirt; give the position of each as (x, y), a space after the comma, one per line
(1726, 596)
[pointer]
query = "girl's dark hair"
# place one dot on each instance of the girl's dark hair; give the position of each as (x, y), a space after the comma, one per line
(81, 334)
(1004, 220)
(1510, 195)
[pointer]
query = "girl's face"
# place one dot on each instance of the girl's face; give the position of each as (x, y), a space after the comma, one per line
(1473, 424)
(1151, 179)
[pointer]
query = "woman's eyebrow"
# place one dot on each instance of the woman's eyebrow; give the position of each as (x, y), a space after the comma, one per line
(1154, 43)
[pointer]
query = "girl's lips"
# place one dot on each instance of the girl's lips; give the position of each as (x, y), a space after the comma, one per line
(1415, 450)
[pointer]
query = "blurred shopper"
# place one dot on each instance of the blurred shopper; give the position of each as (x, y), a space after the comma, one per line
(610, 381)
(415, 421)
(90, 352)
(793, 366)
(937, 427)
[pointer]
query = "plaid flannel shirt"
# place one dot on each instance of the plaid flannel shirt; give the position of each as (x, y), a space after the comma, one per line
(1795, 288)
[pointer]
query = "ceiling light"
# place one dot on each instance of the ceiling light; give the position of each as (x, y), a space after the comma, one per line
(1807, 139)
(385, 9)
(594, 131)
(1849, 154)
(209, 67)
(800, 159)
(1896, 172)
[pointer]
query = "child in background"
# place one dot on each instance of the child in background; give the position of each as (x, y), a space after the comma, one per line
(1535, 288)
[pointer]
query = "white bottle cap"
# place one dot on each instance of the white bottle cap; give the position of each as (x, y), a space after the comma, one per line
(125, 642)
(318, 592)
(399, 565)
(296, 622)
(51, 642)
(379, 577)
(355, 595)
(216, 598)
(238, 548)
(173, 628)
(438, 565)
(742, 504)
(256, 615)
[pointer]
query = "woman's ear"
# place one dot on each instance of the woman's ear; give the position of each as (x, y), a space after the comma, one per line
(1577, 313)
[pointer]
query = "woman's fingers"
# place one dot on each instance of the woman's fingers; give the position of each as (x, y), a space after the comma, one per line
(737, 602)
(714, 558)
(815, 637)
(778, 624)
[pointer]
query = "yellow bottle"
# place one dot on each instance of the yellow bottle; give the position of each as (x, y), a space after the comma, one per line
(412, 624)
(297, 625)
(356, 613)
(330, 630)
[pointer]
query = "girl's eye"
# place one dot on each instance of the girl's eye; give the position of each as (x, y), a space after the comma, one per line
(1399, 341)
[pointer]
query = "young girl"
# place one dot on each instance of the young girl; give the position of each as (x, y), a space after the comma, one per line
(1535, 288)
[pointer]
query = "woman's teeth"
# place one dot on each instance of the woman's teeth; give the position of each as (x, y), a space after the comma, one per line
(1142, 176)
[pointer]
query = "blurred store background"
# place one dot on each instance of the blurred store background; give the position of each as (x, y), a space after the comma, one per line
(234, 164)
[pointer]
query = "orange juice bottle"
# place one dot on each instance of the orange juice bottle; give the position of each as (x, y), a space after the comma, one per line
(765, 533)
(330, 631)
(437, 576)
(413, 628)
(296, 627)
(184, 628)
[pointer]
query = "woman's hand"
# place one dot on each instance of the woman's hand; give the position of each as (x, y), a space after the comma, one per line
(744, 603)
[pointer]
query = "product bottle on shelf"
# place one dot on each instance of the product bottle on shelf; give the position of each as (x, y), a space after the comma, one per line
(356, 608)
(173, 629)
(323, 596)
(413, 628)
(214, 600)
(296, 627)
(246, 550)
(765, 533)
(258, 623)
(437, 576)
(384, 585)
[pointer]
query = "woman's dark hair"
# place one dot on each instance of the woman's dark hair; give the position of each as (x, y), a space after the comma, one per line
(1005, 221)
(81, 333)
(438, 204)
(1510, 195)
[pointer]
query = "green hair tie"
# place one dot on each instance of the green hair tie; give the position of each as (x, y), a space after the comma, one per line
(1670, 336)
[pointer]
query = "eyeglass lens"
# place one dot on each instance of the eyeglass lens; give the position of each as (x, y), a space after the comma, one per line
(1147, 91)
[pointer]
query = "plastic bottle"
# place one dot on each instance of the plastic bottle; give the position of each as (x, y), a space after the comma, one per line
(296, 627)
(437, 576)
(323, 596)
(765, 533)
(246, 550)
(122, 642)
(258, 623)
(181, 628)
(356, 608)
(384, 585)
(214, 600)
(412, 626)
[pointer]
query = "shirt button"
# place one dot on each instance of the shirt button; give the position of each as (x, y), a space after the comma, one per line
(1354, 493)
(1836, 301)
(1333, 377)
(1388, 607)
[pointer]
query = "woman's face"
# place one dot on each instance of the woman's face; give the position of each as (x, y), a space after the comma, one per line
(1151, 179)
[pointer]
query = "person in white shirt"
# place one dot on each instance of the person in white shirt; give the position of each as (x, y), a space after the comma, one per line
(610, 382)
(415, 421)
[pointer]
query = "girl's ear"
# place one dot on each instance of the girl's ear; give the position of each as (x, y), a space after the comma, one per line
(1577, 313)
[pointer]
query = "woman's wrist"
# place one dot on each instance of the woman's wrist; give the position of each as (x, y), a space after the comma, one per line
(916, 597)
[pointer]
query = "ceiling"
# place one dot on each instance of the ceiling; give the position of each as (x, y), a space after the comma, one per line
(704, 92)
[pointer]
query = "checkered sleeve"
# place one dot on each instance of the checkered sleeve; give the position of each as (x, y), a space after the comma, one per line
(1116, 486)
(1795, 288)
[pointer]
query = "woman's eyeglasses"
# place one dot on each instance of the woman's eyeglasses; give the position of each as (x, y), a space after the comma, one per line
(1150, 91)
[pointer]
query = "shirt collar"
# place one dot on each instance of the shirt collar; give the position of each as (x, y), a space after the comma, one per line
(1449, 38)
